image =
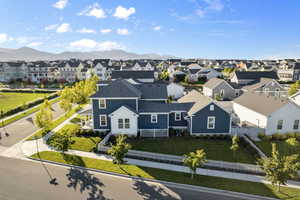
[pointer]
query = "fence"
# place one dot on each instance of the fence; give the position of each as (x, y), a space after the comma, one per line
(154, 133)
(211, 164)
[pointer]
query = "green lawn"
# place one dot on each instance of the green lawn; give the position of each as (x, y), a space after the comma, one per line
(25, 113)
(87, 144)
(282, 146)
(178, 177)
(215, 149)
(11, 100)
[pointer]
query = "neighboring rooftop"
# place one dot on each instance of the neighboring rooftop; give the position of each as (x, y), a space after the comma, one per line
(256, 75)
(260, 103)
(132, 74)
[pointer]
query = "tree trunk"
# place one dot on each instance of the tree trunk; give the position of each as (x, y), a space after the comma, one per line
(192, 175)
(278, 187)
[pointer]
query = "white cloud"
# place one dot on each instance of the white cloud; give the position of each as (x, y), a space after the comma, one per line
(200, 12)
(94, 10)
(124, 13)
(51, 27)
(34, 44)
(122, 31)
(215, 5)
(105, 31)
(85, 30)
(63, 28)
(156, 28)
(88, 44)
(61, 4)
(22, 39)
(3, 37)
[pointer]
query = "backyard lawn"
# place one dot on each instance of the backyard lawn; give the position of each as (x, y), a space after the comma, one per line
(11, 100)
(282, 146)
(178, 177)
(215, 149)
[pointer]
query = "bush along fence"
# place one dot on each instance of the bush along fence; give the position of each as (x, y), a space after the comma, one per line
(28, 105)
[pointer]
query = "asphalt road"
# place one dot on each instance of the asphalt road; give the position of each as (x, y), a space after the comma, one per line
(18, 130)
(26, 180)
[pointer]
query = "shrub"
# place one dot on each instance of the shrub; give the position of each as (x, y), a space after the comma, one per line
(276, 136)
(262, 136)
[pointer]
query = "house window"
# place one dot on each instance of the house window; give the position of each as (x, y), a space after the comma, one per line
(222, 92)
(127, 123)
(211, 107)
(296, 124)
(153, 118)
(120, 123)
(279, 124)
(102, 103)
(177, 116)
(236, 94)
(103, 120)
(211, 122)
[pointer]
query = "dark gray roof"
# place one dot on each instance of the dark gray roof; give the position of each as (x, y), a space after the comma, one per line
(132, 74)
(194, 71)
(256, 75)
(153, 107)
(297, 66)
(118, 88)
(153, 90)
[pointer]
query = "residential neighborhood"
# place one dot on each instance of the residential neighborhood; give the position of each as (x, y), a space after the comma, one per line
(160, 100)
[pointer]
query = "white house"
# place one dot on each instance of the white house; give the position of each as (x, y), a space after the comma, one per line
(296, 98)
(273, 114)
(175, 90)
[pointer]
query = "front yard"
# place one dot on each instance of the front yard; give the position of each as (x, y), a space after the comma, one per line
(215, 149)
(11, 100)
(178, 177)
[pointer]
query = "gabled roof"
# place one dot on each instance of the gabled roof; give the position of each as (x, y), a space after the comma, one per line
(153, 90)
(256, 75)
(132, 74)
(125, 106)
(153, 107)
(214, 82)
(260, 103)
(118, 89)
(199, 100)
(262, 82)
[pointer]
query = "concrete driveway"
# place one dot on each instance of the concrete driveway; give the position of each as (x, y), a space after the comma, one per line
(18, 130)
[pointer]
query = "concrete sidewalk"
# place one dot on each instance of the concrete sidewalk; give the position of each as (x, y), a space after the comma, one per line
(30, 147)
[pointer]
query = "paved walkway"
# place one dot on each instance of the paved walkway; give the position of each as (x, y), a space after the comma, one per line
(20, 129)
(32, 147)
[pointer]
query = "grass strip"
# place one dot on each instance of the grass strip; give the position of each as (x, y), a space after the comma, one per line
(171, 176)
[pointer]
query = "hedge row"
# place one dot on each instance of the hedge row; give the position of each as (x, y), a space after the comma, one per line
(27, 91)
(27, 105)
(279, 136)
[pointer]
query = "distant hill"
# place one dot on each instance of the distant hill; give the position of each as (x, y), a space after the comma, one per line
(30, 54)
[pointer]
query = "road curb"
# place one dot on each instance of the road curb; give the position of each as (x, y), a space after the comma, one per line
(167, 183)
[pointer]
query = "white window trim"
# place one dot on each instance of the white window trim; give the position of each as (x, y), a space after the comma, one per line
(105, 120)
(278, 124)
(297, 125)
(212, 107)
(123, 124)
(176, 113)
(214, 118)
(104, 104)
(154, 116)
(127, 123)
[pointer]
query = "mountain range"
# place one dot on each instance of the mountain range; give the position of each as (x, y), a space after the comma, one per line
(30, 54)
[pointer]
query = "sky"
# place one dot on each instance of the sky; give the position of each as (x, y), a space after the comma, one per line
(248, 29)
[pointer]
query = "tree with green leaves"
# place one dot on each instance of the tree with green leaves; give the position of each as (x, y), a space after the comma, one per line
(44, 117)
(294, 88)
(235, 145)
(278, 168)
(193, 160)
(292, 143)
(61, 141)
(164, 75)
(119, 150)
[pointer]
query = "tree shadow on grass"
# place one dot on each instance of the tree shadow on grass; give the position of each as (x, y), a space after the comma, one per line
(73, 160)
(85, 182)
(150, 192)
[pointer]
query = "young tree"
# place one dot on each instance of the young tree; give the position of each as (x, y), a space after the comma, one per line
(61, 141)
(194, 160)
(294, 88)
(292, 143)
(44, 117)
(235, 145)
(119, 150)
(279, 169)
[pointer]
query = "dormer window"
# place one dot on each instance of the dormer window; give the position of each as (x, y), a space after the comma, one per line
(154, 118)
(102, 103)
